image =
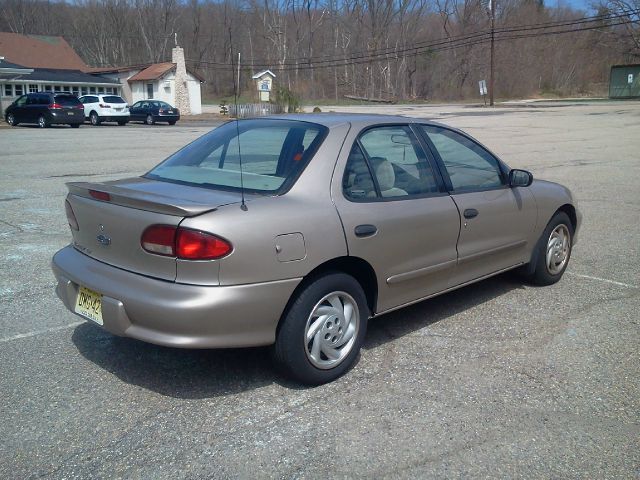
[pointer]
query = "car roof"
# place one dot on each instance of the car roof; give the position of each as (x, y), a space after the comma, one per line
(332, 119)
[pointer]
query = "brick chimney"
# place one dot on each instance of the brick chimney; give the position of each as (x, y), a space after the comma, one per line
(182, 92)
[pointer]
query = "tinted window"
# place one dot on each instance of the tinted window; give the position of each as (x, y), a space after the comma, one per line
(357, 182)
(44, 99)
(164, 105)
(272, 153)
(397, 162)
(136, 105)
(21, 101)
(67, 100)
(113, 99)
(470, 167)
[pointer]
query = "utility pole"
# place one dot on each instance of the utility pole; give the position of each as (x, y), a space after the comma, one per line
(493, 27)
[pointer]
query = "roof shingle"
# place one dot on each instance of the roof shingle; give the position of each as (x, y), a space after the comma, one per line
(39, 51)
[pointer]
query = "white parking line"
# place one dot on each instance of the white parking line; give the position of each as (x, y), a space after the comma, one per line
(39, 332)
(606, 280)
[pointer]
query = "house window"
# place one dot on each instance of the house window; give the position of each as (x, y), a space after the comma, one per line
(57, 88)
(75, 91)
(100, 89)
(8, 90)
(47, 88)
(33, 88)
(92, 89)
(149, 90)
(18, 89)
(66, 89)
(84, 90)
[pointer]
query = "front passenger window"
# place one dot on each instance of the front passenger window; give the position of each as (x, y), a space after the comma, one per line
(470, 167)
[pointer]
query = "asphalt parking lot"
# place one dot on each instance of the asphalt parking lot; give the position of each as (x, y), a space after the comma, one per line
(498, 379)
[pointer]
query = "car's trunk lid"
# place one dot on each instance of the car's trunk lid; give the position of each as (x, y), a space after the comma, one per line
(112, 217)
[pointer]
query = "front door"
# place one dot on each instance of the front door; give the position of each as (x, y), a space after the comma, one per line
(396, 214)
(496, 219)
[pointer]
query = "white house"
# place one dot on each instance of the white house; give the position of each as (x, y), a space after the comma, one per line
(160, 81)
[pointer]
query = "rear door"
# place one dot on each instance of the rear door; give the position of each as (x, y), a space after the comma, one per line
(397, 215)
(496, 220)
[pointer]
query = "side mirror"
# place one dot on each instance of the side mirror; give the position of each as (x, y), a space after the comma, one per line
(520, 178)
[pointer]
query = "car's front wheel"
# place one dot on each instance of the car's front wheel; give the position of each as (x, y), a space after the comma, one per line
(553, 251)
(322, 331)
(94, 119)
(11, 120)
(43, 122)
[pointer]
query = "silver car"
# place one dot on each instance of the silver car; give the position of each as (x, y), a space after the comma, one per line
(293, 231)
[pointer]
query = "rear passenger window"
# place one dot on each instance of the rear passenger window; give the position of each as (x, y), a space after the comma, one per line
(470, 167)
(396, 165)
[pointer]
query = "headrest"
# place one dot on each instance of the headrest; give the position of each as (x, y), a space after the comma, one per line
(384, 172)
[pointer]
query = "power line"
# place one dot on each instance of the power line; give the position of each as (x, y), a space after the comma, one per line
(445, 44)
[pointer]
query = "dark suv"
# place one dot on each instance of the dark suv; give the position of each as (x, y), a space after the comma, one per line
(46, 109)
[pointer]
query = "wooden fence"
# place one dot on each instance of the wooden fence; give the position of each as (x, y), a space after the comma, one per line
(255, 110)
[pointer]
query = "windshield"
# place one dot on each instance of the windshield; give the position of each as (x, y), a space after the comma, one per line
(273, 153)
(113, 99)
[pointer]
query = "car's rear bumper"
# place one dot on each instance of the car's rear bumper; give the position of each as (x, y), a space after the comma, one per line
(166, 118)
(173, 314)
(64, 117)
(114, 117)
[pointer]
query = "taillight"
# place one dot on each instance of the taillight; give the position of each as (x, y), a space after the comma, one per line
(79, 106)
(98, 195)
(184, 243)
(55, 106)
(159, 239)
(196, 245)
(71, 217)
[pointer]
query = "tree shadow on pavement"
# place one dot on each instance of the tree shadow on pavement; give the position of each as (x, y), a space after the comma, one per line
(194, 374)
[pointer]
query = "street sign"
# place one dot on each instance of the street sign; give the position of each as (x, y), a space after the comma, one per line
(483, 87)
(630, 78)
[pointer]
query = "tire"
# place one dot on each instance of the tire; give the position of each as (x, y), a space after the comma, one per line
(11, 120)
(149, 120)
(43, 122)
(173, 122)
(75, 125)
(122, 123)
(553, 251)
(306, 361)
(94, 119)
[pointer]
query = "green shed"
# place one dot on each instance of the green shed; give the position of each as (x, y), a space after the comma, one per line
(624, 81)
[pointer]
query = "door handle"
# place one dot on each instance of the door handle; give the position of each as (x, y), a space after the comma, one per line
(470, 213)
(365, 230)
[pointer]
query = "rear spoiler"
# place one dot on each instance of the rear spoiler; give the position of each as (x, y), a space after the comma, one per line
(139, 200)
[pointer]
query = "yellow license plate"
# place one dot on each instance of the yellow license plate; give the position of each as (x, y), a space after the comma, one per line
(89, 305)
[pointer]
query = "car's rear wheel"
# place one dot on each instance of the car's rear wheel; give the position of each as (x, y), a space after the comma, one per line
(173, 122)
(43, 122)
(322, 330)
(553, 251)
(94, 119)
(150, 120)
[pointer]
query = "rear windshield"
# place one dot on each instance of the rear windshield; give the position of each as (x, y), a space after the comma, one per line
(67, 100)
(273, 153)
(113, 99)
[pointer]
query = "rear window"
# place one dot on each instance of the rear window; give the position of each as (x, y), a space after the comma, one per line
(273, 154)
(113, 99)
(67, 100)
